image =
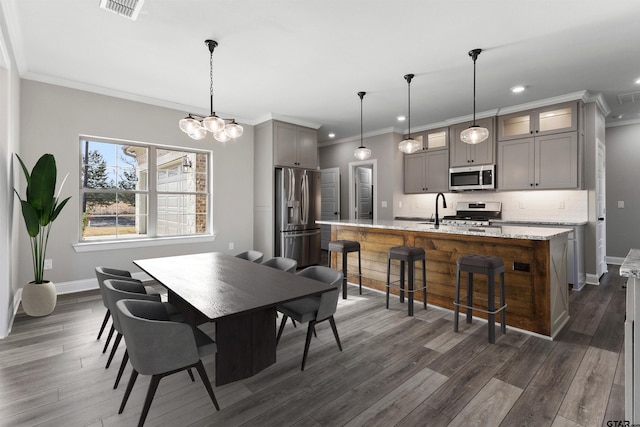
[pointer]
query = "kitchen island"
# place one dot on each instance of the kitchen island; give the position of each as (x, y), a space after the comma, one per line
(535, 260)
(630, 269)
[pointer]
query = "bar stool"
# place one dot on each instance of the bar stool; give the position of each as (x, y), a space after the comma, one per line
(489, 266)
(344, 247)
(410, 255)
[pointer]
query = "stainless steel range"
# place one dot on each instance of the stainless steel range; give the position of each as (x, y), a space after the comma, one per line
(474, 213)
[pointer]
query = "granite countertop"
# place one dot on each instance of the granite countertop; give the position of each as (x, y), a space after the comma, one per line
(504, 231)
(507, 221)
(631, 265)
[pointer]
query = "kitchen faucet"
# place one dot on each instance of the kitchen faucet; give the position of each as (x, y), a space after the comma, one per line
(444, 205)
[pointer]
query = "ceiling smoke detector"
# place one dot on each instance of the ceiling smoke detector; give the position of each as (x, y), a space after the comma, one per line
(126, 8)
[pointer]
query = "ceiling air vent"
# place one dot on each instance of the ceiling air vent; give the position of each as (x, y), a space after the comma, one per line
(127, 8)
(629, 98)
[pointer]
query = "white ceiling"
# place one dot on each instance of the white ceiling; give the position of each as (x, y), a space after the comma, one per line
(307, 59)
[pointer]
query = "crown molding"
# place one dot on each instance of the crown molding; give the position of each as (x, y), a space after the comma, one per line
(356, 138)
(622, 123)
(574, 96)
(287, 119)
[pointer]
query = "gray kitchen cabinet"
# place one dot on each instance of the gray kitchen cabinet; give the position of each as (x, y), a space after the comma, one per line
(426, 172)
(294, 146)
(463, 154)
(544, 162)
(538, 122)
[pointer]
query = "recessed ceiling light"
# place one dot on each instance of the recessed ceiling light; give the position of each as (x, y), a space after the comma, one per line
(517, 89)
(332, 135)
(638, 81)
(401, 118)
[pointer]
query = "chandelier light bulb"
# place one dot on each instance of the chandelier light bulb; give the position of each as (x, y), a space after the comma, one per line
(213, 123)
(221, 136)
(233, 130)
(188, 124)
(198, 133)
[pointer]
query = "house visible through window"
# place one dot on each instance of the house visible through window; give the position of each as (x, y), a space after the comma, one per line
(133, 190)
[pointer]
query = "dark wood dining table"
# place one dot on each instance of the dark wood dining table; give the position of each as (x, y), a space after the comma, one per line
(240, 296)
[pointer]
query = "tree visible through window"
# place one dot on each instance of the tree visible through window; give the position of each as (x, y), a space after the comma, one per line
(138, 190)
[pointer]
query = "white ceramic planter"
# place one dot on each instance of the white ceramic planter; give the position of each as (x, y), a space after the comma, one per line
(39, 299)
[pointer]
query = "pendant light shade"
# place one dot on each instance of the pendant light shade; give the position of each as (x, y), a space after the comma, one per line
(474, 134)
(362, 152)
(409, 145)
(196, 126)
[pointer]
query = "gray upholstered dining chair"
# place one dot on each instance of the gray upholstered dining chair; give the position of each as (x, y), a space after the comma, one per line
(251, 255)
(116, 290)
(281, 263)
(104, 273)
(315, 309)
(159, 347)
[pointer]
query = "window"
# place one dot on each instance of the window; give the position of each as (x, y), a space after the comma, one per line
(133, 190)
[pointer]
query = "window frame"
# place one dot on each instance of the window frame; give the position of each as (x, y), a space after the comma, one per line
(150, 238)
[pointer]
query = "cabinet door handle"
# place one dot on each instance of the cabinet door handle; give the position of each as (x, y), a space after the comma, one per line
(536, 184)
(601, 218)
(537, 131)
(531, 132)
(530, 185)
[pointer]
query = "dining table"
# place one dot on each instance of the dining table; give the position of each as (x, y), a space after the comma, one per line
(240, 296)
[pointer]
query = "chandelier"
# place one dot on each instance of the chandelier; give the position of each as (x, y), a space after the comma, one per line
(197, 126)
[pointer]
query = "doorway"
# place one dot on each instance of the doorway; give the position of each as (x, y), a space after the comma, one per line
(363, 190)
(601, 223)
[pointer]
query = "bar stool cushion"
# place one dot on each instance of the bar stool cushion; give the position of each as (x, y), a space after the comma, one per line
(344, 246)
(406, 253)
(480, 261)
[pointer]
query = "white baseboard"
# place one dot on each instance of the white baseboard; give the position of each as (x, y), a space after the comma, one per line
(614, 260)
(89, 284)
(592, 279)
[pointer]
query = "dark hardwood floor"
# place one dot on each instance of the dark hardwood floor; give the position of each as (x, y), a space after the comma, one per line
(394, 370)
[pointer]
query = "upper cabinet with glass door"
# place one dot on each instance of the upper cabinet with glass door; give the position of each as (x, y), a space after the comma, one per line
(434, 139)
(540, 121)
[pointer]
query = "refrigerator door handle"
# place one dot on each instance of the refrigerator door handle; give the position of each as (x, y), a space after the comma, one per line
(304, 199)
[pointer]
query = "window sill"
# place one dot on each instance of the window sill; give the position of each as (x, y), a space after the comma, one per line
(141, 243)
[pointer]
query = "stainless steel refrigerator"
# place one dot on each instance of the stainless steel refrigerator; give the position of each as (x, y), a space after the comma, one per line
(297, 207)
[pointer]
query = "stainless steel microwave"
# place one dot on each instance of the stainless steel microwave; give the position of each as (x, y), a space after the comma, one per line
(480, 177)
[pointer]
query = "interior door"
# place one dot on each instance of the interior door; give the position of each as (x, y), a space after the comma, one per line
(364, 192)
(601, 223)
(330, 202)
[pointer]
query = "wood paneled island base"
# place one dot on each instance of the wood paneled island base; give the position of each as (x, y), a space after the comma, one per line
(536, 287)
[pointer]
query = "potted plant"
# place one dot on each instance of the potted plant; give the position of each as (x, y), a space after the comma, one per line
(40, 208)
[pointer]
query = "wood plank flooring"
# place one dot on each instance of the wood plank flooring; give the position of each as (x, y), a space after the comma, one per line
(393, 370)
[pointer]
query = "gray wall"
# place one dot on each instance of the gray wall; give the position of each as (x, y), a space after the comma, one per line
(383, 149)
(623, 181)
(53, 117)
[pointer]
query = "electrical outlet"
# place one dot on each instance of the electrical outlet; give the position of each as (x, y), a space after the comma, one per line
(400, 204)
(384, 203)
(48, 264)
(231, 246)
(561, 204)
(620, 204)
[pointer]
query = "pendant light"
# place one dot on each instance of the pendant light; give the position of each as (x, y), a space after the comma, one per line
(409, 145)
(474, 134)
(361, 153)
(197, 126)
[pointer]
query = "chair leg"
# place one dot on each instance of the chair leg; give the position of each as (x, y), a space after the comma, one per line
(153, 386)
(207, 383)
(132, 381)
(359, 273)
(121, 370)
(113, 350)
(388, 279)
(410, 286)
(190, 372)
(312, 324)
(106, 345)
(456, 307)
(294, 323)
(424, 284)
(104, 323)
(344, 274)
(284, 321)
(335, 331)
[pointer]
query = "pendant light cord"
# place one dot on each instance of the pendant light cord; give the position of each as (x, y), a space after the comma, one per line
(474, 90)
(361, 128)
(211, 81)
(409, 104)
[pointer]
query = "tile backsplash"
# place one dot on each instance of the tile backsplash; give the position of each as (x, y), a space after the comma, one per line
(568, 205)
